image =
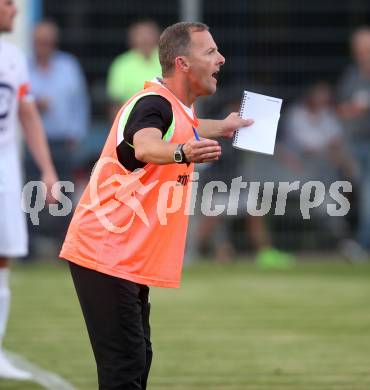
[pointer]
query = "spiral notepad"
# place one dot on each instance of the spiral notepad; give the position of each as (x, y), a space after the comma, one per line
(265, 111)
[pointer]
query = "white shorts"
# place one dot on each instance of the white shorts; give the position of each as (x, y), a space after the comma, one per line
(13, 225)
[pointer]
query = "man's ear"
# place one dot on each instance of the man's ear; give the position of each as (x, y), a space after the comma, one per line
(182, 64)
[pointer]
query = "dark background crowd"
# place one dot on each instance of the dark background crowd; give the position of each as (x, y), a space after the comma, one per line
(89, 57)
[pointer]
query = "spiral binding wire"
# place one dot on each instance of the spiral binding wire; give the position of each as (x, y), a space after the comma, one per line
(242, 106)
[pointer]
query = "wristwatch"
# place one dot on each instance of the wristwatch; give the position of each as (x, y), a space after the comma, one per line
(179, 155)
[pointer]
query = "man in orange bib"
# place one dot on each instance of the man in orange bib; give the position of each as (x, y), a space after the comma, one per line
(129, 228)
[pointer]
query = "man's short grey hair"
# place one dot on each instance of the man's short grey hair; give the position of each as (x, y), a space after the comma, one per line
(176, 41)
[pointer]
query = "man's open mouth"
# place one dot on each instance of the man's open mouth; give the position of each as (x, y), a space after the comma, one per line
(215, 75)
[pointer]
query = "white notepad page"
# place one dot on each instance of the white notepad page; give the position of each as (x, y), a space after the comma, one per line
(265, 111)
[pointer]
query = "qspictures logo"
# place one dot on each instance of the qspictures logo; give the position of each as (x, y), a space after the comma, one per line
(253, 198)
(129, 185)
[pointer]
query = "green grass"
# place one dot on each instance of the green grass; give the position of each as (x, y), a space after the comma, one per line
(228, 327)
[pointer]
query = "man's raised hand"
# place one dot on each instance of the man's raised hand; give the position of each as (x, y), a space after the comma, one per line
(202, 151)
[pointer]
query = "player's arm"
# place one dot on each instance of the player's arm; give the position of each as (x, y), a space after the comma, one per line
(209, 128)
(150, 147)
(36, 141)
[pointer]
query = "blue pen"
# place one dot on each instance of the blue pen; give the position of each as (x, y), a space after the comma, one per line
(196, 134)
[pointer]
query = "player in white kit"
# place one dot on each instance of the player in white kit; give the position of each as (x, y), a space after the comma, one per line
(15, 103)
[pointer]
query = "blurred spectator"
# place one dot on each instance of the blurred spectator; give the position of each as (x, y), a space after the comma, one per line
(60, 90)
(313, 138)
(311, 147)
(140, 63)
(354, 109)
(314, 148)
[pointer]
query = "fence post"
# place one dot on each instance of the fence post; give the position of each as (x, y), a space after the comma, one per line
(191, 10)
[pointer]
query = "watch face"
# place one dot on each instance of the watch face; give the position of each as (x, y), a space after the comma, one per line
(177, 156)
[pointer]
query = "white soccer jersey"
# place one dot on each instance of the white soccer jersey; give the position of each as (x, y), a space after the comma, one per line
(14, 85)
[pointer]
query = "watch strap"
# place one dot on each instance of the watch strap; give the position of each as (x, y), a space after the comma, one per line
(184, 159)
